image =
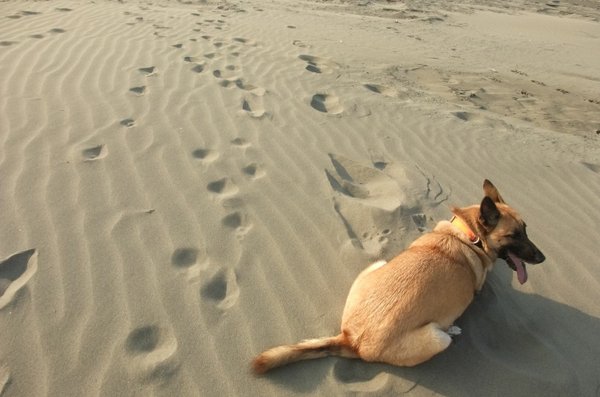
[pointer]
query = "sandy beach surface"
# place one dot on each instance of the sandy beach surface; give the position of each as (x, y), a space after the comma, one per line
(184, 184)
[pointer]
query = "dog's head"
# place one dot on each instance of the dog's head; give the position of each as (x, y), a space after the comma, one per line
(505, 234)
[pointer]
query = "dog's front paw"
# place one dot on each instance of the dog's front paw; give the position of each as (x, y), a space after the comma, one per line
(454, 331)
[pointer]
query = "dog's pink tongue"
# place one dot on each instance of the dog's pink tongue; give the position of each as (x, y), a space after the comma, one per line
(521, 271)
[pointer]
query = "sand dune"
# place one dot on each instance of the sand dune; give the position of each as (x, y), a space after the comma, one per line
(184, 184)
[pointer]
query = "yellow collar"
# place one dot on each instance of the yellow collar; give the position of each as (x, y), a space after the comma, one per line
(463, 227)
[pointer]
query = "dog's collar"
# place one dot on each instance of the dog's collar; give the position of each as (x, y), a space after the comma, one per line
(463, 227)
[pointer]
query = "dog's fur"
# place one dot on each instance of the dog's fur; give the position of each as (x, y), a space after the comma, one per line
(401, 312)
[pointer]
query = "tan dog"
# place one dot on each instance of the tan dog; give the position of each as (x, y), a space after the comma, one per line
(402, 312)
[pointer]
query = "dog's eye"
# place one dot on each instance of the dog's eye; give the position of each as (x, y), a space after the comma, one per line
(516, 235)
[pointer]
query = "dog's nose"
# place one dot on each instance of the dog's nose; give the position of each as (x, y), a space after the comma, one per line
(539, 257)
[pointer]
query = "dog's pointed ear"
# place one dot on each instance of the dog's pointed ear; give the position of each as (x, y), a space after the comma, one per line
(488, 213)
(490, 191)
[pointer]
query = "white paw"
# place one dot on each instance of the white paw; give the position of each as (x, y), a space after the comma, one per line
(454, 331)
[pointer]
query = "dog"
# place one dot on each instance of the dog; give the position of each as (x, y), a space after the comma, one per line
(402, 312)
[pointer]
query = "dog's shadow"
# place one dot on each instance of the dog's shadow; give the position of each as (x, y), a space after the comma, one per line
(513, 344)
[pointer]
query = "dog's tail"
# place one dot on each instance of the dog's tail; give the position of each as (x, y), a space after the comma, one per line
(305, 350)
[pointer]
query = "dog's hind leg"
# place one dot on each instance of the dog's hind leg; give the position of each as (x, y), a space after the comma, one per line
(355, 298)
(418, 346)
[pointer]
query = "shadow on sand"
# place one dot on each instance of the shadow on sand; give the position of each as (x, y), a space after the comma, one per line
(513, 344)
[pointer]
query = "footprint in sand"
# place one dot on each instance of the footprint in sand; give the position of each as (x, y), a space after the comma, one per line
(7, 43)
(225, 83)
(244, 41)
(239, 83)
(223, 187)
(420, 220)
(229, 73)
(233, 220)
(253, 171)
(237, 221)
(127, 123)
(15, 272)
(149, 71)
(253, 107)
(254, 90)
(184, 257)
(464, 116)
(319, 65)
(380, 89)
(37, 36)
(377, 235)
(205, 155)
(63, 9)
(152, 351)
(94, 153)
(198, 68)
(139, 91)
(190, 261)
(57, 30)
(326, 103)
(240, 142)
(221, 289)
(380, 165)
(143, 339)
(177, 45)
(378, 160)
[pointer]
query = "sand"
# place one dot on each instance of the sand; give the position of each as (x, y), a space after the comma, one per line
(185, 184)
